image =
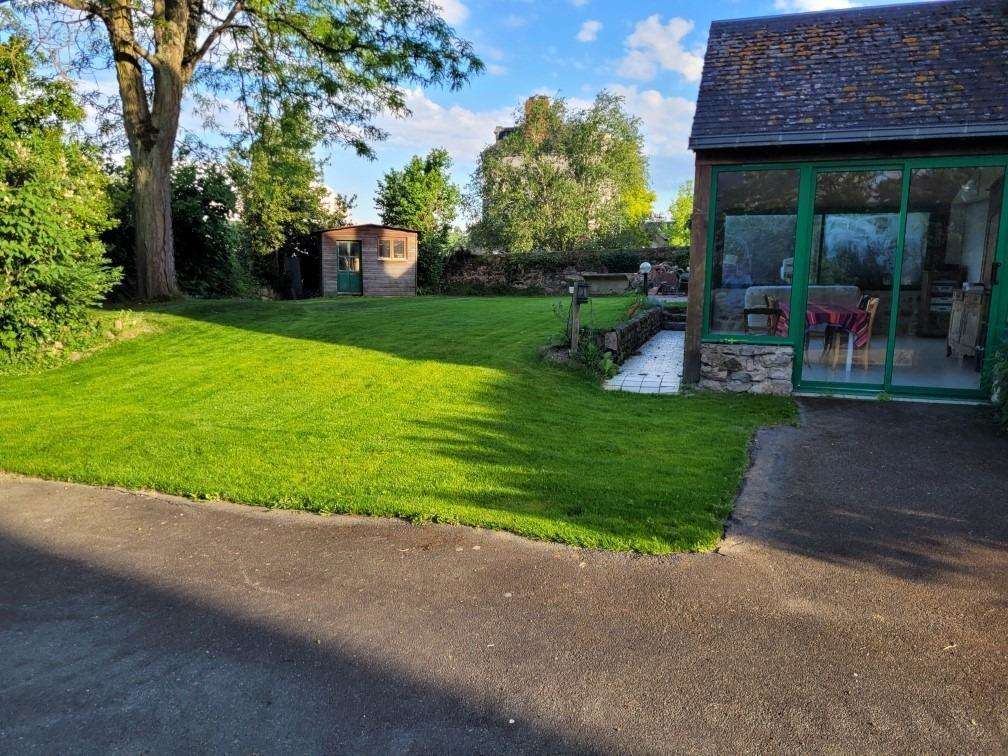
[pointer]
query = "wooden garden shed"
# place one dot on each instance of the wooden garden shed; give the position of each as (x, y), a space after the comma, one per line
(369, 259)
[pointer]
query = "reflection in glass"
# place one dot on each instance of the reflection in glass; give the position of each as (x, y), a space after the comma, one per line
(754, 242)
(946, 282)
(855, 230)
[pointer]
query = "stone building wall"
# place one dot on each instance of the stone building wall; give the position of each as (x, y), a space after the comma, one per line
(746, 368)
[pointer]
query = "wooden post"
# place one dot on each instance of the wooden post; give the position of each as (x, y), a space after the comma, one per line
(575, 321)
(698, 272)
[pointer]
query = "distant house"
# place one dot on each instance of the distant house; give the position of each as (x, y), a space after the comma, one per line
(848, 232)
(369, 259)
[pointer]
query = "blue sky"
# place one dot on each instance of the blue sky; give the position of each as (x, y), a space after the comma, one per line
(650, 52)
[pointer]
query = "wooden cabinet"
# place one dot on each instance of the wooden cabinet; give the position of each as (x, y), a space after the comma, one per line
(968, 322)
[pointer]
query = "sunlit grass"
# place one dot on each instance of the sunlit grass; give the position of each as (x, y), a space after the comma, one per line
(424, 408)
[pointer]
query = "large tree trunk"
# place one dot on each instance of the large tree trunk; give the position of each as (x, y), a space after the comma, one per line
(151, 121)
(155, 248)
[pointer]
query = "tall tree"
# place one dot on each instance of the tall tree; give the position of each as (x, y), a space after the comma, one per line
(564, 179)
(342, 61)
(283, 197)
(421, 196)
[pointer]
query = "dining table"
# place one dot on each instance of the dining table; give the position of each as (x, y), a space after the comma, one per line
(853, 320)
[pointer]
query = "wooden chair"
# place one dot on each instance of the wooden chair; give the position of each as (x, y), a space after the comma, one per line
(871, 305)
(772, 312)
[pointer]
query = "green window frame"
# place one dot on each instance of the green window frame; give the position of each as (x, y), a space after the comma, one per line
(736, 338)
(806, 199)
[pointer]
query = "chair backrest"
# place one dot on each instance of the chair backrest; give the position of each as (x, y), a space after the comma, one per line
(871, 307)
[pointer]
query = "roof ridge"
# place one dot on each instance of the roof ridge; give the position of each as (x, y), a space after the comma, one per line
(847, 11)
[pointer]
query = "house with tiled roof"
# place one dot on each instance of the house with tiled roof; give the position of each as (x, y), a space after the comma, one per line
(849, 193)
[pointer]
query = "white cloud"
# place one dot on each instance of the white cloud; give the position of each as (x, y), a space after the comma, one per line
(461, 131)
(793, 6)
(514, 21)
(665, 121)
(654, 45)
(589, 31)
(453, 11)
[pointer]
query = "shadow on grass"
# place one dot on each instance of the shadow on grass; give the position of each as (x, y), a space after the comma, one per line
(95, 661)
(919, 491)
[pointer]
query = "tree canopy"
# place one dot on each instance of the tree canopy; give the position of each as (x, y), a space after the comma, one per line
(564, 179)
(421, 196)
(280, 183)
(677, 230)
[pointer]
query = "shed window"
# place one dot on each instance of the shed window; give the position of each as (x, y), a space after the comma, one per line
(385, 249)
(399, 249)
(755, 224)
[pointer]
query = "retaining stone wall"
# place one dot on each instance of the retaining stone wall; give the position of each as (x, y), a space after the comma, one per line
(630, 336)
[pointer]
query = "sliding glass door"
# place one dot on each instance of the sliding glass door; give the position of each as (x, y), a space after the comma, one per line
(852, 257)
(948, 277)
(901, 285)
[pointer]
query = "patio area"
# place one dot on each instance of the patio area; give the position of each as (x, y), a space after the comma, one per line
(655, 369)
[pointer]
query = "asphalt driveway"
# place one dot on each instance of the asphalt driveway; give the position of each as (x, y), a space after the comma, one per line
(858, 603)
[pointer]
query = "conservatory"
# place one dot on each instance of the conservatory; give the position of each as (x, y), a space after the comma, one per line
(847, 233)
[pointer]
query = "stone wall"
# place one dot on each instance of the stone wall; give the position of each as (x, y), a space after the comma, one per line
(628, 337)
(746, 368)
(548, 273)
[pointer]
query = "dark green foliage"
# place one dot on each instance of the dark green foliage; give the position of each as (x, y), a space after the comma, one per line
(208, 260)
(208, 257)
(284, 200)
(53, 207)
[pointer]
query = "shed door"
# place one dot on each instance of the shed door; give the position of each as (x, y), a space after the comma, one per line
(348, 271)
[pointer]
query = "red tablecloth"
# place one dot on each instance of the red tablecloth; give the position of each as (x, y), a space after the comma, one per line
(847, 318)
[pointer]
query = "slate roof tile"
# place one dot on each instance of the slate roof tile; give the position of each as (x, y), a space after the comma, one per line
(923, 70)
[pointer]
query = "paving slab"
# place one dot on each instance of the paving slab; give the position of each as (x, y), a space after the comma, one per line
(656, 368)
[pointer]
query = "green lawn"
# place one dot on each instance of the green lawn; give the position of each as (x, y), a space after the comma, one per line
(425, 408)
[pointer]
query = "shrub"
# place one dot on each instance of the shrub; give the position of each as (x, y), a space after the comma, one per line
(53, 207)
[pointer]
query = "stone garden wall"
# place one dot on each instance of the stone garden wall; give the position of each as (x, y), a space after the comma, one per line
(746, 368)
(544, 272)
(628, 337)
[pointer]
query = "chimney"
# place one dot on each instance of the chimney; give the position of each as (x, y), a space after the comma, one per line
(531, 101)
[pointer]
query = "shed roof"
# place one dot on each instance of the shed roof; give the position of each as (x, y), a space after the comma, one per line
(369, 225)
(915, 71)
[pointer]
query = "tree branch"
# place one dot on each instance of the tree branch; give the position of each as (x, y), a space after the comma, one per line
(191, 60)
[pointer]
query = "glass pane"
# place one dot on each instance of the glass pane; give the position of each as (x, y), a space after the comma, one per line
(754, 242)
(946, 282)
(399, 247)
(383, 248)
(851, 261)
(348, 256)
